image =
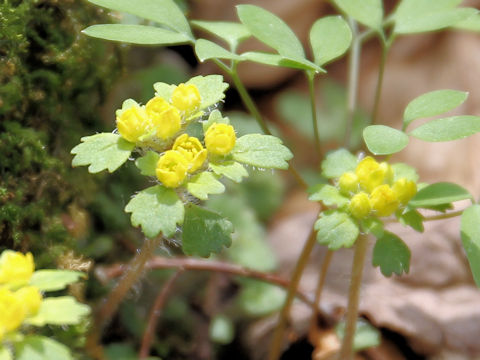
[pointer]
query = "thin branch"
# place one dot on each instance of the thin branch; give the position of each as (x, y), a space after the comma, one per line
(311, 89)
(155, 312)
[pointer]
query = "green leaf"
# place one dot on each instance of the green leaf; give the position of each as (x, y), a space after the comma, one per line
(384, 140)
(221, 330)
(214, 117)
(338, 162)
(204, 184)
(164, 90)
(41, 348)
(53, 280)
(232, 33)
(433, 103)
(148, 163)
(391, 254)
(470, 232)
(448, 129)
(366, 335)
(102, 151)
(401, 170)
(5, 353)
(61, 310)
(206, 49)
(231, 169)
(211, 88)
(263, 151)
(271, 30)
(367, 12)
(164, 12)
(136, 34)
(204, 232)
(372, 226)
(156, 209)
(438, 194)
(336, 229)
(413, 219)
(281, 60)
(415, 16)
(328, 194)
(260, 299)
(330, 37)
(471, 23)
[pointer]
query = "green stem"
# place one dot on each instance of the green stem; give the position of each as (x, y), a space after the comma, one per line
(311, 88)
(353, 73)
(346, 350)
(444, 216)
(277, 341)
(378, 90)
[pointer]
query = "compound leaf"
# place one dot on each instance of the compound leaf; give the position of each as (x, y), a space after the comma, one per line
(53, 280)
(61, 310)
(35, 347)
(203, 184)
(384, 140)
(448, 129)
(338, 162)
(438, 194)
(391, 254)
(336, 229)
(230, 169)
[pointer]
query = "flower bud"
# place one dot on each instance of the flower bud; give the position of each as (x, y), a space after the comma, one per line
(165, 118)
(30, 298)
(12, 312)
(186, 97)
(384, 200)
(405, 190)
(220, 139)
(192, 150)
(171, 169)
(360, 206)
(16, 268)
(348, 183)
(133, 123)
(372, 174)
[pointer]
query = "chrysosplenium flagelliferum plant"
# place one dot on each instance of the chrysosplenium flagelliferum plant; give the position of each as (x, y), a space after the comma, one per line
(186, 167)
(24, 306)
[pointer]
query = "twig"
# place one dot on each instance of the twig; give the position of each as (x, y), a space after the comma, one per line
(155, 312)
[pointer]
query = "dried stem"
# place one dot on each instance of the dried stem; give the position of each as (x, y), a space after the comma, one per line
(346, 350)
(155, 312)
(318, 292)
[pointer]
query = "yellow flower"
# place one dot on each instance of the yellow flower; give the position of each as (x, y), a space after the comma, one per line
(30, 298)
(12, 311)
(384, 200)
(165, 118)
(192, 150)
(372, 174)
(186, 98)
(220, 139)
(405, 190)
(16, 268)
(348, 183)
(360, 206)
(133, 123)
(172, 168)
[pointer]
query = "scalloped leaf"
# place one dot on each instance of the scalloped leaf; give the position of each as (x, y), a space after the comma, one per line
(36, 347)
(230, 169)
(384, 140)
(336, 229)
(102, 151)
(328, 194)
(204, 232)
(214, 117)
(61, 310)
(211, 88)
(263, 151)
(53, 280)
(147, 163)
(204, 184)
(156, 209)
(338, 162)
(391, 254)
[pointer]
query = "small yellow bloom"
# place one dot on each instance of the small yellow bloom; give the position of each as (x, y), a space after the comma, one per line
(384, 200)
(372, 174)
(348, 183)
(191, 148)
(220, 139)
(172, 168)
(16, 268)
(165, 118)
(405, 190)
(12, 311)
(30, 298)
(133, 123)
(186, 98)
(360, 205)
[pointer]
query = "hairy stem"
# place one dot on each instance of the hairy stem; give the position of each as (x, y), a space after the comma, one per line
(131, 275)
(318, 292)
(346, 350)
(277, 341)
(155, 312)
(353, 74)
(311, 88)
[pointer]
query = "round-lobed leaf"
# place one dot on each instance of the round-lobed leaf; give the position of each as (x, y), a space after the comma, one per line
(391, 254)
(35, 347)
(336, 229)
(384, 140)
(448, 129)
(338, 162)
(204, 184)
(53, 280)
(61, 310)
(367, 12)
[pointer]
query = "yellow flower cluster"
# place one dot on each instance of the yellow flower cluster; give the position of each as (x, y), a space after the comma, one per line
(373, 191)
(18, 301)
(188, 155)
(158, 118)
